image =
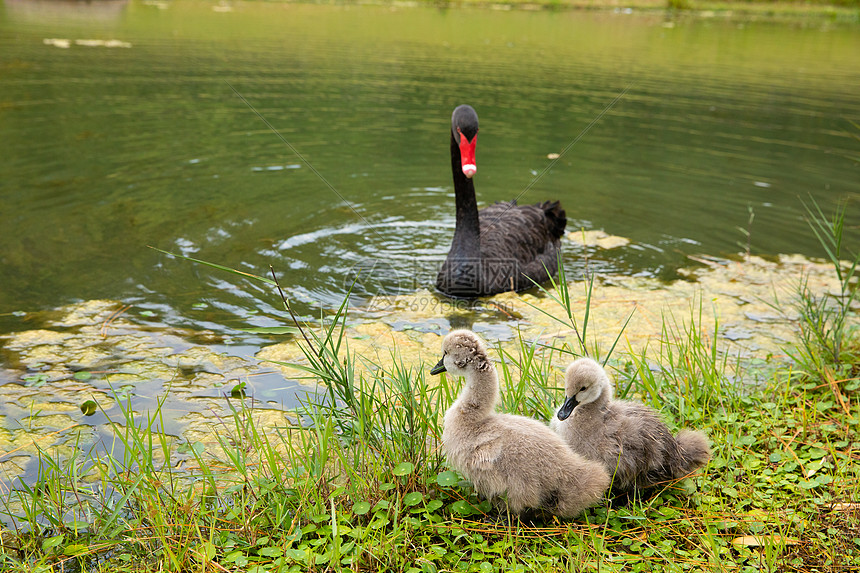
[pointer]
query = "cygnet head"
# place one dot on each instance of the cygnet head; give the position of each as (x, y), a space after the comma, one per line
(584, 382)
(462, 352)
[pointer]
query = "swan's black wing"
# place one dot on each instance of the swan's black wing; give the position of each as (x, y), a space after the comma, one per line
(519, 241)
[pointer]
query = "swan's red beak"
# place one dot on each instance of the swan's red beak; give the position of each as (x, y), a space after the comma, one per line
(467, 155)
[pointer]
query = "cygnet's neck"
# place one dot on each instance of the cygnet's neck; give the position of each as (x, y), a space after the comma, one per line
(480, 394)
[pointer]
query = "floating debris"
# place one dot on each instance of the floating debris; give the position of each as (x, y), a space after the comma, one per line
(103, 43)
(66, 43)
(600, 239)
(277, 167)
(57, 42)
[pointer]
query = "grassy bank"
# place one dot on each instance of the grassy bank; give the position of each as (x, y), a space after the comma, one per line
(771, 9)
(360, 484)
(363, 486)
(739, 6)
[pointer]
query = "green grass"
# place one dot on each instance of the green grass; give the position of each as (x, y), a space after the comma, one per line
(362, 485)
(776, 8)
(825, 328)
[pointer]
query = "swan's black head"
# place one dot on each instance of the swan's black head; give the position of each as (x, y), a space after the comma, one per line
(464, 130)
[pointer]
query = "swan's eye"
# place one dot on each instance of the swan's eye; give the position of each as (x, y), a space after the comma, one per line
(582, 389)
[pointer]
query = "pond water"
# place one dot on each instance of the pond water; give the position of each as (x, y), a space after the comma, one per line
(110, 149)
(135, 124)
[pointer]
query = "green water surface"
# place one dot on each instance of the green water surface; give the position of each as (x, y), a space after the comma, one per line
(162, 141)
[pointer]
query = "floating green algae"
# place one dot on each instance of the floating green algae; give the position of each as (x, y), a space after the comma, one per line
(740, 297)
(94, 351)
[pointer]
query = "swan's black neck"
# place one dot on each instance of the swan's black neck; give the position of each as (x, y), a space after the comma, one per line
(467, 232)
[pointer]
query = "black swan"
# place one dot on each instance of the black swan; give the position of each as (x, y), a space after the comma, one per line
(502, 246)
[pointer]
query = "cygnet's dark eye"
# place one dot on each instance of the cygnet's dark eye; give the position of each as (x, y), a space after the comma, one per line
(582, 389)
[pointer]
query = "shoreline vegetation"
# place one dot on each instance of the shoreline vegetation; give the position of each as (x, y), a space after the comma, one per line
(774, 6)
(770, 9)
(356, 480)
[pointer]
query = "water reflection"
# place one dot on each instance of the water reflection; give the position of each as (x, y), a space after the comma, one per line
(65, 11)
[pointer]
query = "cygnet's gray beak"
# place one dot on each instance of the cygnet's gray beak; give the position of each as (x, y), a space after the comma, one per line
(439, 368)
(567, 408)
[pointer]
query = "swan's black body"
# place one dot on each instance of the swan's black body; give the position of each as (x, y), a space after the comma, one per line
(502, 246)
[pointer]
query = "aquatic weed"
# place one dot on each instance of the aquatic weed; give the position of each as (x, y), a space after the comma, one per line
(824, 329)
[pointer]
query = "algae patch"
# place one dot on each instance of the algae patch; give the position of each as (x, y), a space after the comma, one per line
(91, 351)
(596, 238)
(737, 302)
(94, 351)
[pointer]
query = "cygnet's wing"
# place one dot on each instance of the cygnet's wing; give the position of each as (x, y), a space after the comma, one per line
(643, 432)
(486, 454)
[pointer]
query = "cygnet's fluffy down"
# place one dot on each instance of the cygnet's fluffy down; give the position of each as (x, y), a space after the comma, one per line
(504, 454)
(631, 440)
